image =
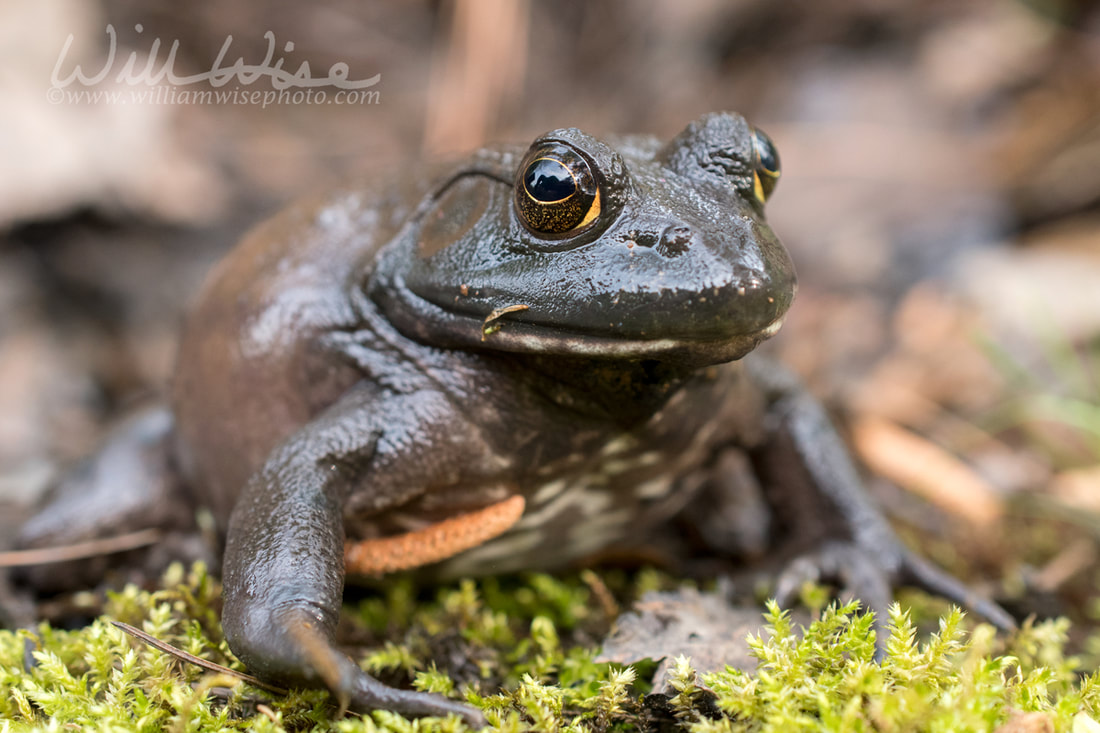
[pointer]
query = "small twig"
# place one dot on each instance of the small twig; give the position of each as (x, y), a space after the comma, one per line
(1080, 555)
(261, 708)
(79, 550)
(924, 468)
(603, 594)
(488, 327)
(197, 661)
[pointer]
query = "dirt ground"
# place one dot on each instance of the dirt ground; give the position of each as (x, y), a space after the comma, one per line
(940, 197)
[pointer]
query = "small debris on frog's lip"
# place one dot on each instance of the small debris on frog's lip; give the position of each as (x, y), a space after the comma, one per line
(488, 330)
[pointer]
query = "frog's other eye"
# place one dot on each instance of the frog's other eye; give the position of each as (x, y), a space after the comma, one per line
(766, 165)
(556, 193)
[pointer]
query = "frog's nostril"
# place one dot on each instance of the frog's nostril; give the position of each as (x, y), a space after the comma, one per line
(636, 238)
(675, 240)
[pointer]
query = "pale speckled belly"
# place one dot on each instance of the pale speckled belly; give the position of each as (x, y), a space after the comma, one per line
(586, 504)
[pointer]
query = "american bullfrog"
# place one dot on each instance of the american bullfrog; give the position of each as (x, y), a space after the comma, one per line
(520, 361)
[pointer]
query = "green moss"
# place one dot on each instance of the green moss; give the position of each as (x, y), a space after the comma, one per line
(523, 650)
(953, 681)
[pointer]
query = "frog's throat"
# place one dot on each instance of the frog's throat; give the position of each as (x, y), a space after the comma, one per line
(433, 543)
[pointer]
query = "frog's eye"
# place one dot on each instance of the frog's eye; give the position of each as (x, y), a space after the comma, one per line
(556, 193)
(766, 169)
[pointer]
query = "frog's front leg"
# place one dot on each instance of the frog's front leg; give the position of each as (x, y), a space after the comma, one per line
(284, 562)
(824, 506)
(129, 484)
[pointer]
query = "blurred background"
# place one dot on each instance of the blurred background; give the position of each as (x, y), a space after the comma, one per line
(940, 196)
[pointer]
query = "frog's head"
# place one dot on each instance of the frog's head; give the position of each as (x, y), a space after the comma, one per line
(578, 247)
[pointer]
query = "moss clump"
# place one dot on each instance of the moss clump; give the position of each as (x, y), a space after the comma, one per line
(954, 681)
(522, 650)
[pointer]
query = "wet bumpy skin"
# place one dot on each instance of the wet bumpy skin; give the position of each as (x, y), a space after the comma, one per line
(513, 363)
(670, 257)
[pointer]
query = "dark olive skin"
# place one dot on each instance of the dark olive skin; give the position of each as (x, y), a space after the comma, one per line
(565, 323)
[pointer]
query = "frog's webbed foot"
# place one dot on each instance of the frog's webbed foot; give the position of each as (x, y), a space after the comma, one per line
(292, 642)
(844, 565)
(870, 576)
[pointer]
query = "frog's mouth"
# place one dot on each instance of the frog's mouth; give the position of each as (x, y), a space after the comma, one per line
(530, 328)
(499, 331)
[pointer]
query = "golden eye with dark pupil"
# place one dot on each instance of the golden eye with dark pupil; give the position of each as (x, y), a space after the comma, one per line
(556, 193)
(766, 173)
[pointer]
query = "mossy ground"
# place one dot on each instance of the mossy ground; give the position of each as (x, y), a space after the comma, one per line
(523, 650)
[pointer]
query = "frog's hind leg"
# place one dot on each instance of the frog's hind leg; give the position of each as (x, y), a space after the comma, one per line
(130, 484)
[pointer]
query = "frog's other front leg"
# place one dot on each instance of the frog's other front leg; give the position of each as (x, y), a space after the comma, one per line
(130, 484)
(284, 564)
(826, 511)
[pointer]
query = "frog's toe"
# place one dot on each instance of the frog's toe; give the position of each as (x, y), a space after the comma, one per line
(851, 569)
(293, 646)
(928, 577)
(370, 694)
(846, 566)
(871, 576)
(356, 690)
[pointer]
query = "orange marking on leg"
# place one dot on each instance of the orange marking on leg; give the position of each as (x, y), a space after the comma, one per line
(435, 542)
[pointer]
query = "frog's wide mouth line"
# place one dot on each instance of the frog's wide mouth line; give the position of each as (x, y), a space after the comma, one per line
(510, 333)
(507, 329)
